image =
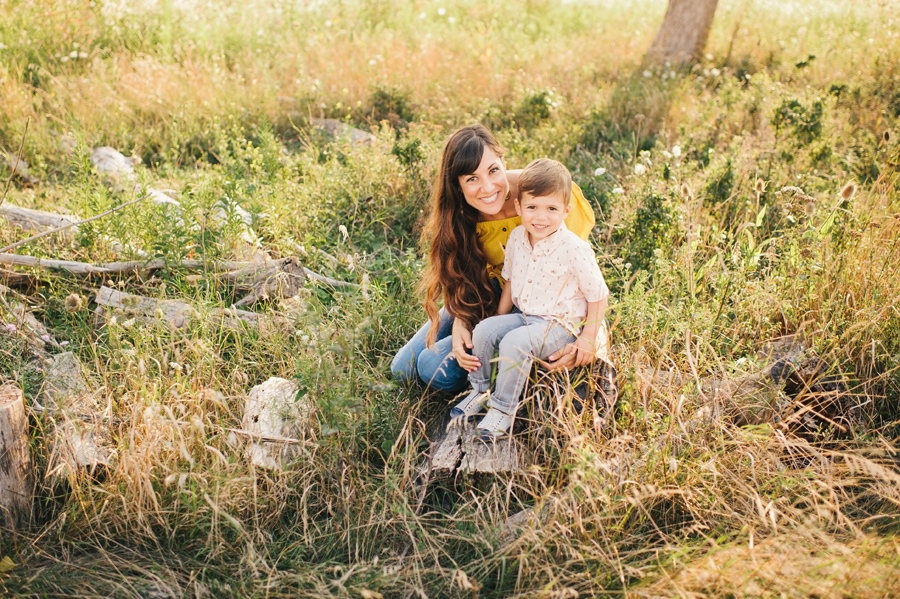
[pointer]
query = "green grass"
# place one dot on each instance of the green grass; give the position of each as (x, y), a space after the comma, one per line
(707, 257)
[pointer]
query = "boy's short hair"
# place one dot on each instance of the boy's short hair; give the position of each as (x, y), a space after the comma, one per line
(546, 177)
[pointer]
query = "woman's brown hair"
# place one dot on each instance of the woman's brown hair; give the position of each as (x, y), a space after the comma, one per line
(458, 268)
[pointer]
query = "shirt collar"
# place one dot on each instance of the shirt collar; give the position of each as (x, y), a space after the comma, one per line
(548, 244)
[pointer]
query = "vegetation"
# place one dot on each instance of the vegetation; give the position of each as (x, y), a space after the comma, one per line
(708, 254)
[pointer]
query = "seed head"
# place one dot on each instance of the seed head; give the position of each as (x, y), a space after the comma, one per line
(849, 190)
(760, 186)
(73, 303)
(686, 192)
(887, 136)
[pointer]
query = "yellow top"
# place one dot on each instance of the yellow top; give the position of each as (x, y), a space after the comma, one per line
(494, 233)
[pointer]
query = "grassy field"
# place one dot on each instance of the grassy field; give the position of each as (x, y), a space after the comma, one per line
(751, 197)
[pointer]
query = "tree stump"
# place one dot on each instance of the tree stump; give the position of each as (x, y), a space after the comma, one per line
(16, 485)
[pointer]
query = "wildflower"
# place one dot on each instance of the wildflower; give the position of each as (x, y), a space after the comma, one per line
(422, 15)
(372, 62)
(305, 338)
(628, 266)
(647, 74)
(365, 286)
(343, 229)
(760, 186)
(175, 366)
(715, 72)
(618, 190)
(599, 171)
(63, 343)
(709, 57)
(82, 55)
(328, 23)
(73, 54)
(73, 302)
(848, 191)
(451, 20)
(686, 191)
(442, 11)
(11, 328)
(46, 338)
(639, 169)
(676, 151)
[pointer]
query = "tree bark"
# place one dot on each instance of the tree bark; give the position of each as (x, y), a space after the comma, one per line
(683, 34)
(15, 461)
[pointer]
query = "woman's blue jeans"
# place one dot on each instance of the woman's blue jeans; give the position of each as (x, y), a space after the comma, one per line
(435, 366)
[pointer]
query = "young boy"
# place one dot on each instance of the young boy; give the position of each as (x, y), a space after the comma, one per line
(553, 278)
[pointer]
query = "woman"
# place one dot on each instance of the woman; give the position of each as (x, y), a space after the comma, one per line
(472, 216)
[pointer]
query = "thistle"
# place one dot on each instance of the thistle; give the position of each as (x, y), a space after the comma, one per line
(686, 192)
(73, 302)
(848, 191)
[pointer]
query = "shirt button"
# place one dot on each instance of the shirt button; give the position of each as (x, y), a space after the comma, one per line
(504, 228)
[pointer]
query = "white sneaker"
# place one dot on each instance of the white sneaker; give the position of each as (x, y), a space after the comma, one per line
(495, 425)
(474, 404)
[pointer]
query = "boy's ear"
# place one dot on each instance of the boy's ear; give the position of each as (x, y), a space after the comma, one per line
(566, 211)
(518, 207)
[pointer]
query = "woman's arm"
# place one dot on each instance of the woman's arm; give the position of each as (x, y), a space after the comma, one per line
(462, 340)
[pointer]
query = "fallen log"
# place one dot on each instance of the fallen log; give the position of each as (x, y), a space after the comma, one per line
(273, 414)
(795, 391)
(31, 220)
(16, 483)
(75, 443)
(276, 280)
(245, 268)
(179, 315)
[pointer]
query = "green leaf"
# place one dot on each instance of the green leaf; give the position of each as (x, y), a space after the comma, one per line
(6, 564)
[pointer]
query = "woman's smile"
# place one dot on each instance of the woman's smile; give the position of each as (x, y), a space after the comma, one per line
(487, 188)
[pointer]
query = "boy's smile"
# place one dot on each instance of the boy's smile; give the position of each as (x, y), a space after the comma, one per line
(541, 215)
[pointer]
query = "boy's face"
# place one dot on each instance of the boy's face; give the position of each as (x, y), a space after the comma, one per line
(541, 215)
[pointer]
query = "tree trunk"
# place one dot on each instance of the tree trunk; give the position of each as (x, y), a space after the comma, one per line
(683, 34)
(15, 461)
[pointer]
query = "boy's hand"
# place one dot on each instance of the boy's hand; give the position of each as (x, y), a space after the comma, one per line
(573, 354)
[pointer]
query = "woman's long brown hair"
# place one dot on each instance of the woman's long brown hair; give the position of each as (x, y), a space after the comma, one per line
(458, 268)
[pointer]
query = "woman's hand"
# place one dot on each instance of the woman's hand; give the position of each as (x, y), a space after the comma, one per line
(462, 340)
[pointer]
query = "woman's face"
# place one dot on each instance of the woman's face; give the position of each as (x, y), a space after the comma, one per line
(486, 189)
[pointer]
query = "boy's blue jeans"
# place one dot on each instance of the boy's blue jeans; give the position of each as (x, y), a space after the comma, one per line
(520, 339)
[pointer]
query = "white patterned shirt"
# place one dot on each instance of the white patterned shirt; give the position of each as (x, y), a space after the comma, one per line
(555, 279)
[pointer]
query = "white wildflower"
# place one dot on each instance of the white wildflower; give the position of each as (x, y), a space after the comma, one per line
(709, 57)
(328, 23)
(451, 20)
(422, 15)
(647, 74)
(599, 171)
(639, 169)
(73, 54)
(342, 228)
(676, 151)
(442, 11)
(715, 72)
(618, 190)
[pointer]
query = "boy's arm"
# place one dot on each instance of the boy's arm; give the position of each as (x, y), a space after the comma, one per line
(506, 302)
(585, 349)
